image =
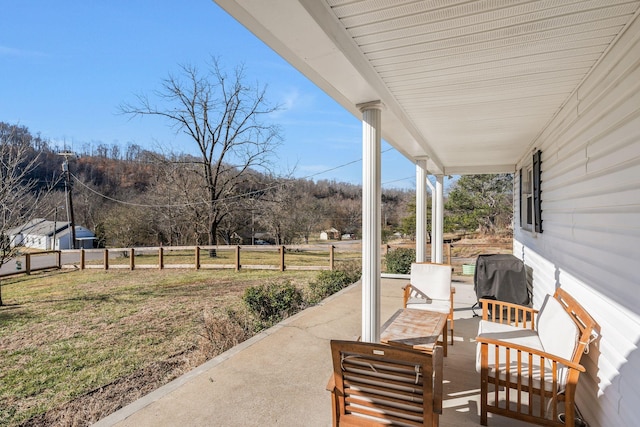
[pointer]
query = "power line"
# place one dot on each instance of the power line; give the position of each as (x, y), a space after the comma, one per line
(140, 205)
(341, 166)
(239, 196)
(408, 178)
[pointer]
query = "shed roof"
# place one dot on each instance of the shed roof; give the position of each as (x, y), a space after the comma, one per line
(47, 228)
(24, 228)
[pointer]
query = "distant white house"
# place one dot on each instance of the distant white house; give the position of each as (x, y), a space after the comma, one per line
(49, 235)
(16, 234)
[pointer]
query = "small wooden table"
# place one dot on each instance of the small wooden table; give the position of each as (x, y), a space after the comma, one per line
(416, 329)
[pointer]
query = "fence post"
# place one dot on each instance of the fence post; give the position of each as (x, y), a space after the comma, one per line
(238, 266)
(197, 257)
(27, 263)
(132, 262)
(82, 259)
(282, 258)
(160, 257)
(59, 259)
(106, 259)
(448, 248)
(331, 257)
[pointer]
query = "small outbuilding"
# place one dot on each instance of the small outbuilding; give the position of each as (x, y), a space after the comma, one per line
(330, 234)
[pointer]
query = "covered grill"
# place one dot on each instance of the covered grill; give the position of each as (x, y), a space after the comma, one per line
(501, 277)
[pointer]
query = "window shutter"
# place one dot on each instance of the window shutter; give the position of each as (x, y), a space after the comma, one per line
(537, 191)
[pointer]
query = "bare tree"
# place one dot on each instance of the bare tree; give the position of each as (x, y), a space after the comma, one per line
(178, 186)
(17, 199)
(223, 116)
(309, 212)
(128, 227)
(238, 219)
(309, 215)
(346, 216)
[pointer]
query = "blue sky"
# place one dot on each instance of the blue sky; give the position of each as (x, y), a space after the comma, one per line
(66, 66)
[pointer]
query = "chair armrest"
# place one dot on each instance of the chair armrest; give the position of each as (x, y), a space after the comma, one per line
(331, 385)
(407, 294)
(533, 351)
(523, 316)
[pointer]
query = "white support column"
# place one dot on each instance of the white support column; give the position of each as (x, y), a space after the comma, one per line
(438, 225)
(371, 215)
(432, 189)
(421, 210)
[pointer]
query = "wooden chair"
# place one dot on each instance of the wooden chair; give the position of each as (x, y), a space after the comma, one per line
(377, 384)
(534, 357)
(430, 289)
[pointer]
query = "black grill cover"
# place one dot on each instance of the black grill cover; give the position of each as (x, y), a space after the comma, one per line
(501, 277)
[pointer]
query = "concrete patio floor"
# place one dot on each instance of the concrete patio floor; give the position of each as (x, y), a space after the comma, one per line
(279, 376)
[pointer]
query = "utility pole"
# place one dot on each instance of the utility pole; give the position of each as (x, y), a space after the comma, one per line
(55, 227)
(67, 189)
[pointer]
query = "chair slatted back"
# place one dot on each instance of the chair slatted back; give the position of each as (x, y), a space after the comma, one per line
(586, 324)
(377, 384)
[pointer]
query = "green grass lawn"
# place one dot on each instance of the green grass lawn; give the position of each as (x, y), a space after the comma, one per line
(64, 334)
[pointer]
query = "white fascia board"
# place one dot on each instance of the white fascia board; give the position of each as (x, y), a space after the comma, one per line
(308, 36)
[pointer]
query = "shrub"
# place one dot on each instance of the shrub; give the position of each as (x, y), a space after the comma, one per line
(399, 260)
(353, 270)
(273, 302)
(330, 282)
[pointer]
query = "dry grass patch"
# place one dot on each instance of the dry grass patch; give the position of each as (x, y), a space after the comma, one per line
(75, 346)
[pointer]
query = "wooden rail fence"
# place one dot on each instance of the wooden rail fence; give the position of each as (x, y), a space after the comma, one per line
(138, 258)
(32, 262)
(267, 257)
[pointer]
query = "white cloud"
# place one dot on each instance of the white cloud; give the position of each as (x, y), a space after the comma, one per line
(290, 99)
(293, 101)
(10, 51)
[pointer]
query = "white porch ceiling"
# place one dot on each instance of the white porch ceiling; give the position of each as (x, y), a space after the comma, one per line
(468, 84)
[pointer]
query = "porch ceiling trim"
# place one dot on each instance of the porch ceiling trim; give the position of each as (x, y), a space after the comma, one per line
(470, 85)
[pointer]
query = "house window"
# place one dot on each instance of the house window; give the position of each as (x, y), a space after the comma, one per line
(530, 195)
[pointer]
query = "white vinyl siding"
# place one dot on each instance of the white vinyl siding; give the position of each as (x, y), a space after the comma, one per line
(591, 213)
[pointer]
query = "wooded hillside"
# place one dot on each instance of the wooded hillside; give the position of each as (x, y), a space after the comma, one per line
(137, 197)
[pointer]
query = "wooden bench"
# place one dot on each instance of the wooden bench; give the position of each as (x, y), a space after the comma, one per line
(535, 355)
